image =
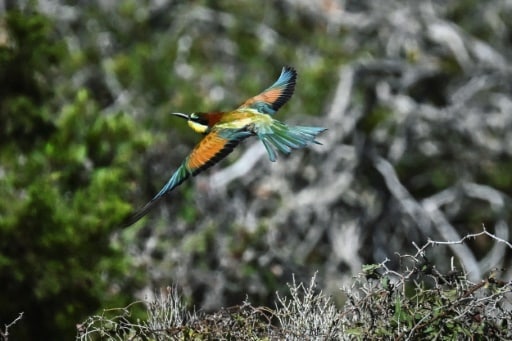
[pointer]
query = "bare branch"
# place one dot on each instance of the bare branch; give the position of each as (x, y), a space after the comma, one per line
(4, 335)
(472, 236)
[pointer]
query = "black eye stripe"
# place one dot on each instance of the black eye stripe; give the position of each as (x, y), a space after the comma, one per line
(199, 119)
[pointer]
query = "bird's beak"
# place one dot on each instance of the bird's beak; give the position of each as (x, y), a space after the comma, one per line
(179, 114)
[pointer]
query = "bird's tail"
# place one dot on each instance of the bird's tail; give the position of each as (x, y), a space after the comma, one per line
(279, 136)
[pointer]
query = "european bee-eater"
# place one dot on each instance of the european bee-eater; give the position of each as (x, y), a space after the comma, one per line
(223, 131)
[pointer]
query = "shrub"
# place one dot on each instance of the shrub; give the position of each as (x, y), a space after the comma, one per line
(418, 301)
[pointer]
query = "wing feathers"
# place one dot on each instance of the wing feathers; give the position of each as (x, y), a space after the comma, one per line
(180, 175)
(274, 97)
(213, 148)
(210, 150)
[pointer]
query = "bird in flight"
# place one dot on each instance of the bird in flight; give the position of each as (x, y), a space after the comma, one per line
(223, 131)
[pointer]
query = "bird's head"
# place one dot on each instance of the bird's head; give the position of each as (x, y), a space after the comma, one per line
(197, 121)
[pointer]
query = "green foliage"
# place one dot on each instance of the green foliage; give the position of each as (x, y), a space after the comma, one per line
(26, 63)
(420, 302)
(63, 177)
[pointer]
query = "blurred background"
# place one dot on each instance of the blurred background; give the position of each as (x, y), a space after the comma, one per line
(417, 97)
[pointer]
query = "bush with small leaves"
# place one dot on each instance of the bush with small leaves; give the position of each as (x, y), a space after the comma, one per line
(417, 301)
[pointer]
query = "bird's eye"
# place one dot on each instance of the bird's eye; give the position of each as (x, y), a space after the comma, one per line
(194, 116)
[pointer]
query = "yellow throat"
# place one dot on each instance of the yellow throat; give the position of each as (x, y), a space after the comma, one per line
(197, 127)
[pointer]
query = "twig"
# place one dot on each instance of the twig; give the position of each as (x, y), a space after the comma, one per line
(5, 334)
(472, 235)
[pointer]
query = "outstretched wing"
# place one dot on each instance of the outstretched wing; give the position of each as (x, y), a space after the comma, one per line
(210, 150)
(214, 147)
(273, 98)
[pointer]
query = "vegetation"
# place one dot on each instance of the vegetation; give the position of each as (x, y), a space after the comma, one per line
(63, 173)
(417, 302)
(416, 96)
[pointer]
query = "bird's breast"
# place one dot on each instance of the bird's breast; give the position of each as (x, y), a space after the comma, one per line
(242, 119)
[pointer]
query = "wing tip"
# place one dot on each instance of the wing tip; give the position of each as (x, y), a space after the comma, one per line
(287, 79)
(289, 69)
(136, 216)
